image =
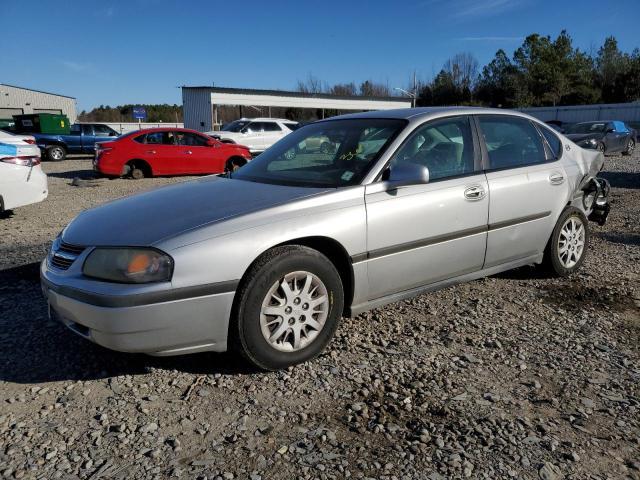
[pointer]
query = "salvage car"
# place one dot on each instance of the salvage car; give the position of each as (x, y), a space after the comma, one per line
(167, 151)
(22, 181)
(265, 261)
(607, 137)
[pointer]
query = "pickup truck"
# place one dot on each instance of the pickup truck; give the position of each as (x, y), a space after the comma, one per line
(81, 139)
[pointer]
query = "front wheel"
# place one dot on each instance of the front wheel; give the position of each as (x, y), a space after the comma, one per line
(567, 247)
(631, 146)
(288, 308)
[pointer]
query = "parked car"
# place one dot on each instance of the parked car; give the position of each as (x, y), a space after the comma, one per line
(22, 181)
(605, 136)
(14, 139)
(634, 131)
(266, 261)
(256, 133)
(167, 151)
(81, 139)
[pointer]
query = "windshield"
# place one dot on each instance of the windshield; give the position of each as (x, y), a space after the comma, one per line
(597, 127)
(332, 154)
(235, 126)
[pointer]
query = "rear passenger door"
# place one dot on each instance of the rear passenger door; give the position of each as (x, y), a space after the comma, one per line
(421, 234)
(527, 188)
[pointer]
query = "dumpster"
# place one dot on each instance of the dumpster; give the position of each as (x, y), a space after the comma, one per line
(42, 123)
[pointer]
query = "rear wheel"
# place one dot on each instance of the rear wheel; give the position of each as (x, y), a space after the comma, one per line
(631, 146)
(56, 153)
(287, 309)
(567, 247)
(139, 169)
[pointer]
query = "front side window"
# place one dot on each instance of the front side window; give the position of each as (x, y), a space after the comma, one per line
(255, 127)
(445, 147)
(587, 127)
(333, 153)
(511, 142)
(271, 127)
(101, 131)
(190, 139)
(235, 126)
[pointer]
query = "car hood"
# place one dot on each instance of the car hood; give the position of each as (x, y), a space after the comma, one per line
(149, 217)
(579, 137)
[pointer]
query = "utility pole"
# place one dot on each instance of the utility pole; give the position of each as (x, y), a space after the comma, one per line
(415, 90)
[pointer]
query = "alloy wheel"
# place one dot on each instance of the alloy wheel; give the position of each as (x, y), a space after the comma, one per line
(571, 242)
(294, 311)
(631, 147)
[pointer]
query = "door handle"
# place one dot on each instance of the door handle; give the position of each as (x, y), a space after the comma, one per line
(556, 178)
(151, 151)
(474, 192)
(188, 152)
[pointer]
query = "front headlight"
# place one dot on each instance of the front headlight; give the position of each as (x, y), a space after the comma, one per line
(128, 265)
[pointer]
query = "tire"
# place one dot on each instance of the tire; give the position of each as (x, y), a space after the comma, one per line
(565, 263)
(56, 153)
(267, 340)
(631, 146)
(234, 163)
(601, 148)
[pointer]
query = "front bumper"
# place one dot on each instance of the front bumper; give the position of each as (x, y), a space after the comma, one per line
(156, 323)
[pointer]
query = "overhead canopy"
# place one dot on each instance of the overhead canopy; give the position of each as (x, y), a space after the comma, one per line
(278, 98)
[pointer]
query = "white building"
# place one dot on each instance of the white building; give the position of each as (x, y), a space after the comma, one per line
(200, 104)
(18, 100)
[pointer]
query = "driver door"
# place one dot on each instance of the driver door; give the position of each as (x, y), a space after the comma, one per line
(421, 234)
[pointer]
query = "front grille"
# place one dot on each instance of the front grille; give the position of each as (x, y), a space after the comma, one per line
(64, 254)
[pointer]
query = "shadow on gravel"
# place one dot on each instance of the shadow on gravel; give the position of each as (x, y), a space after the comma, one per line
(528, 272)
(622, 179)
(34, 349)
(623, 238)
(71, 174)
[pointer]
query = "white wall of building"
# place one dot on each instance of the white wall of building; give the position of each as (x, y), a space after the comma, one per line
(15, 100)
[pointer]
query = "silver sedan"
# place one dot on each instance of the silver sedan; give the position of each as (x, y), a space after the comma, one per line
(267, 260)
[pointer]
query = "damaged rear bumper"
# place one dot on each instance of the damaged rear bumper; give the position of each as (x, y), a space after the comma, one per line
(596, 198)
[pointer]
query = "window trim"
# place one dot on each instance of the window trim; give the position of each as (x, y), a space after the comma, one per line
(546, 142)
(485, 151)
(477, 158)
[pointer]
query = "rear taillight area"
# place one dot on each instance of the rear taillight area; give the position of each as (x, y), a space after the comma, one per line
(30, 141)
(22, 161)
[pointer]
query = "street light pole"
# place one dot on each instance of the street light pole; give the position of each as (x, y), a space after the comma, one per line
(412, 96)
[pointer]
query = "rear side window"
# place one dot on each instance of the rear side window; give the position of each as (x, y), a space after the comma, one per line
(445, 147)
(75, 130)
(554, 142)
(511, 142)
(255, 127)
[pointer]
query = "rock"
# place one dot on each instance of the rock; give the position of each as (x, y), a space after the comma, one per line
(548, 471)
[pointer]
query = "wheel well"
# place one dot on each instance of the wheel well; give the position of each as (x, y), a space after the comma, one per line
(55, 144)
(337, 254)
(142, 165)
(235, 157)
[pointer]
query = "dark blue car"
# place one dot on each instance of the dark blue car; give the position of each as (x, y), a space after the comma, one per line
(611, 136)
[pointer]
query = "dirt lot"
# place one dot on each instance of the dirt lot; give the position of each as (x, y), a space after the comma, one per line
(516, 375)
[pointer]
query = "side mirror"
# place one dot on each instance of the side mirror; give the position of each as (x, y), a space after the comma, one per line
(407, 173)
(113, 134)
(610, 130)
(211, 142)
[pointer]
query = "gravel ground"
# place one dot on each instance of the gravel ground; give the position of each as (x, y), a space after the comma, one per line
(517, 375)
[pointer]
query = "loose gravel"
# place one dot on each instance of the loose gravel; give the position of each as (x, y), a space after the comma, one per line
(513, 376)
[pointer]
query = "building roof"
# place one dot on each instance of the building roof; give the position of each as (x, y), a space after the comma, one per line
(285, 93)
(39, 91)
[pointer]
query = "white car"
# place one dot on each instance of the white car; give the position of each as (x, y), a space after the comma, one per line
(22, 180)
(256, 133)
(6, 137)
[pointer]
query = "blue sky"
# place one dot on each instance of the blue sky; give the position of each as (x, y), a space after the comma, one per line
(139, 51)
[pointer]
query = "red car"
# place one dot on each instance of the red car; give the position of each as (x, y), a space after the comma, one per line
(167, 151)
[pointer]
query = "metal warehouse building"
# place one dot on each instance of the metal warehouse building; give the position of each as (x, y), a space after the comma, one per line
(18, 100)
(200, 104)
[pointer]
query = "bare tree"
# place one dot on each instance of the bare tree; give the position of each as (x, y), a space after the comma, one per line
(311, 85)
(463, 69)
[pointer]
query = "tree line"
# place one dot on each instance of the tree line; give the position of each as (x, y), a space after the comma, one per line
(541, 72)
(124, 113)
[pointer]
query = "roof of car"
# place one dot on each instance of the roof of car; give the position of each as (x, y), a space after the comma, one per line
(163, 129)
(267, 119)
(424, 112)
